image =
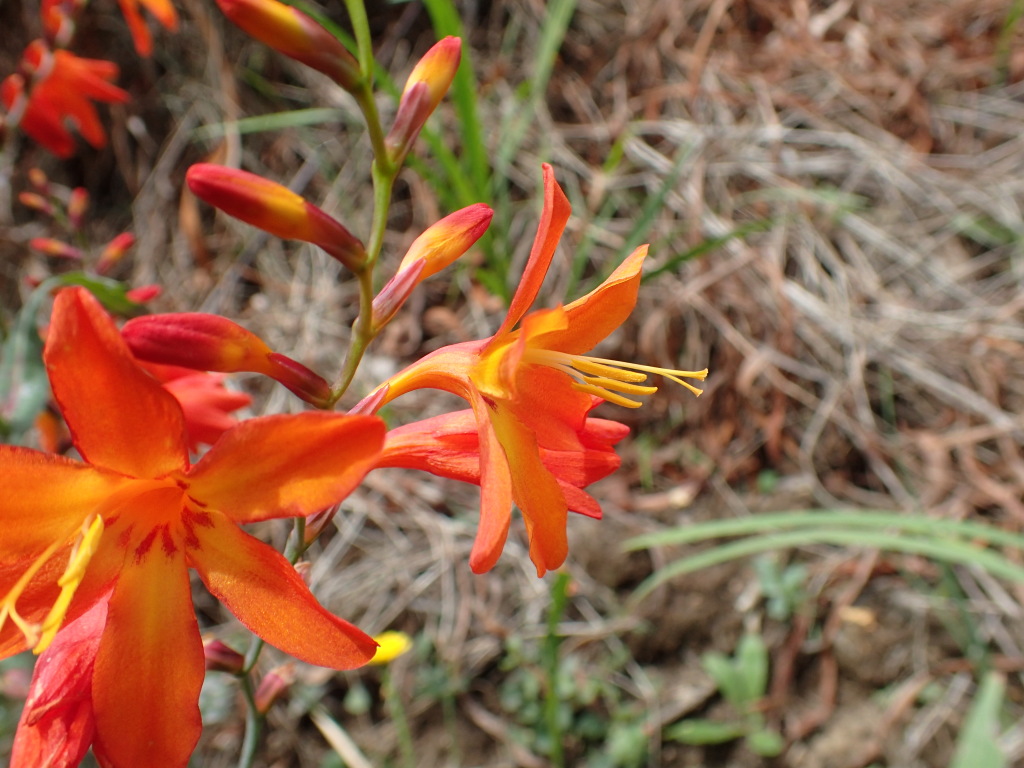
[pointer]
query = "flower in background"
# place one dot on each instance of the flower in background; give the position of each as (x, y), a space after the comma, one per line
(531, 388)
(56, 88)
(134, 516)
(205, 402)
(390, 645)
(162, 10)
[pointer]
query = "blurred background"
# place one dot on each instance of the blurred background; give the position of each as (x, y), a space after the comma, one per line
(829, 574)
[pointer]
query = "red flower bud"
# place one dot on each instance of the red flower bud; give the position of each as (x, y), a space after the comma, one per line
(213, 343)
(273, 686)
(274, 209)
(296, 35)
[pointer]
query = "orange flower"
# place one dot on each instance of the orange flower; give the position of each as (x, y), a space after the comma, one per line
(449, 445)
(135, 516)
(162, 10)
(58, 91)
(531, 388)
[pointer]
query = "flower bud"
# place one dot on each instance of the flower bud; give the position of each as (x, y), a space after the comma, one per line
(273, 686)
(37, 177)
(317, 523)
(78, 203)
(274, 209)
(36, 202)
(428, 82)
(296, 35)
(114, 251)
(143, 293)
(221, 657)
(53, 247)
(213, 343)
(435, 249)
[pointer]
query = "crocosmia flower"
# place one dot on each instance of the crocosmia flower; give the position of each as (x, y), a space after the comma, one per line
(134, 516)
(56, 89)
(531, 387)
(162, 10)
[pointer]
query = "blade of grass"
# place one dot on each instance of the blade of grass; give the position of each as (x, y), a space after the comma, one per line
(955, 552)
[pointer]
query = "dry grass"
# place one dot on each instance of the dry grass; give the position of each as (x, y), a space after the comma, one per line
(866, 347)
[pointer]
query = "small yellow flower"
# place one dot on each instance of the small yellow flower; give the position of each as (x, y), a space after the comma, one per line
(391, 645)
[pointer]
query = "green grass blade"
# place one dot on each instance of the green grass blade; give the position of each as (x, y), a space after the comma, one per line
(976, 746)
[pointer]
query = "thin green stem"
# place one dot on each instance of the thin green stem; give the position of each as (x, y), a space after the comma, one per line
(361, 29)
(552, 641)
(363, 330)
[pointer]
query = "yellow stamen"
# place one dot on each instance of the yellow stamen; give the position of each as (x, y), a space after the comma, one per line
(81, 554)
(607, 378)
(8, 608)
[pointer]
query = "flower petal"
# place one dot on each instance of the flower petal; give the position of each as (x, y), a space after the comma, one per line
(553, 219)
(46, 498)
(495, 492)
(536, 492)
(594, 316)
(289, 465)
(150, 667)
(119, 415)
(270, 598)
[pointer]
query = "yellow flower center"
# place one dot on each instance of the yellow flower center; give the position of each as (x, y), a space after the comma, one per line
(611, 380)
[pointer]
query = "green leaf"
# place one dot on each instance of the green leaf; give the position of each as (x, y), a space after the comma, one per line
(726, 676)
(765, 743)
(700, 731)
(752, 666)
(976, 746)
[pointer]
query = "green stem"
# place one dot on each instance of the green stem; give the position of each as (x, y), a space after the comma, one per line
(361, 29)
(363, 330)
(552, 641)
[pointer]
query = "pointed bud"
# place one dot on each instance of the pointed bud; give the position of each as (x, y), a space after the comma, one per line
(221, 657)
(213, 343)
(274, 209)
(435, 249)
(37, 177)
(53, 247)
(317, 523)
(36, 202)
(78, 203)
(296, 35)
(143, 293)
(428, 82)
(273, 686)
(114, 251)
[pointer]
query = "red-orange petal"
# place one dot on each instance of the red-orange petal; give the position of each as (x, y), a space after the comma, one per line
(554, 217)
(150, 667)
(120, 417)
(269, 597)
(46, 498)
(286, 466)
